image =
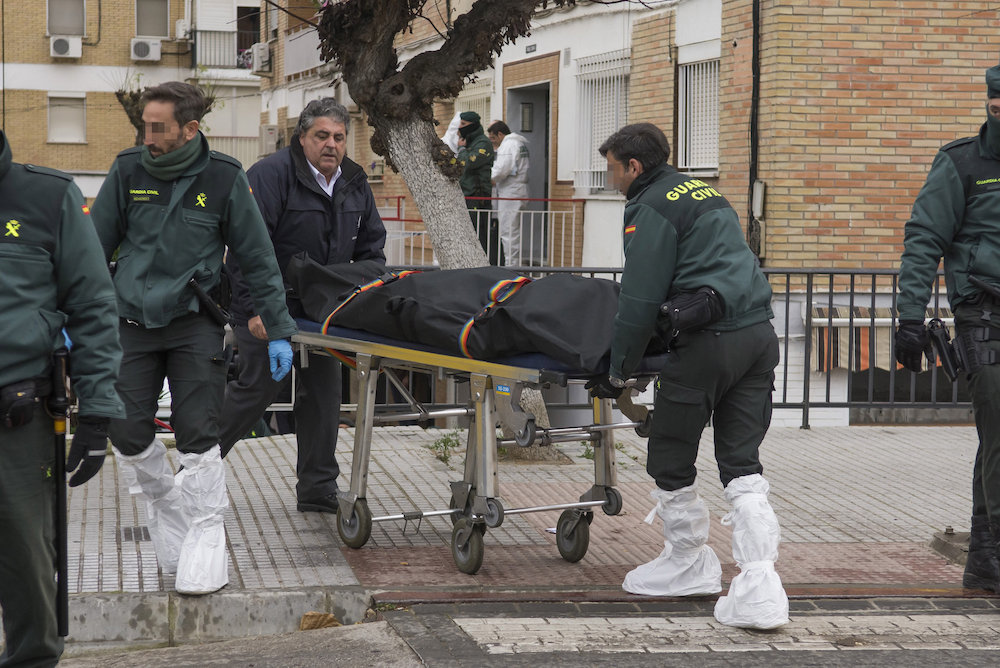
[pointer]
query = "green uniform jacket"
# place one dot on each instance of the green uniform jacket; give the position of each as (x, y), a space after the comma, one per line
(476, 158)
(680, 234)
(53, 275)
(956, 216)
(169, 232)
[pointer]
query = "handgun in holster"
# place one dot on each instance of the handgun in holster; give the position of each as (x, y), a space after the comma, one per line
(966, 353)
(951, 356)
(212, 307)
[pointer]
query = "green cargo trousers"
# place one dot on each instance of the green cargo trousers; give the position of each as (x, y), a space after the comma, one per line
(984, 385)
(27, 535)
(725, 376)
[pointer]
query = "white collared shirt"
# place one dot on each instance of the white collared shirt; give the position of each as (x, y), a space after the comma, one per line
(321, 179)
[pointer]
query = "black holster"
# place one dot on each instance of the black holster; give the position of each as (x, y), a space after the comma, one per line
(966, 352)
(18, 400)
(691, 311)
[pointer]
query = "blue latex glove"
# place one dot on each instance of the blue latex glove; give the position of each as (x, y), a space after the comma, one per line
(69, 344)
(279, 353)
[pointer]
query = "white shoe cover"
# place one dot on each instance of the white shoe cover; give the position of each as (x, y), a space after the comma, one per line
(149, 475)
(204, 561)
(687, 566)
(756, 599)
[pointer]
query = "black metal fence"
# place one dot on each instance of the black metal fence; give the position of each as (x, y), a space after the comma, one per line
(836, 330)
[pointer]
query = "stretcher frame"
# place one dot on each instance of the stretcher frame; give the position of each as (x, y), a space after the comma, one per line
(495, 389)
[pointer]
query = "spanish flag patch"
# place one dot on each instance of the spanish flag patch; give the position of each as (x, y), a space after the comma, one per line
(629, 229)
(85, 209)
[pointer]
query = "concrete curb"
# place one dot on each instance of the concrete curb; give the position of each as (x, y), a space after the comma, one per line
(168, 619)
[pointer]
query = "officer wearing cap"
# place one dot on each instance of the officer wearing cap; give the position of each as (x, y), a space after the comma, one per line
(475, 155)
(956, 216)
(52, 275)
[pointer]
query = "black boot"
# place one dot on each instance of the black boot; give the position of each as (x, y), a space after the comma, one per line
(982, 568)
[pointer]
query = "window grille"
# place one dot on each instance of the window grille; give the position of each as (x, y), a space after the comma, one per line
(698, 116)
(602, 87)
(66, 17)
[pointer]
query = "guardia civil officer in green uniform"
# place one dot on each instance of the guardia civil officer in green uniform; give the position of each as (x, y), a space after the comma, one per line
(683, 244)
(52, 275)
(170, 208)
(475, 155)
(956, 216)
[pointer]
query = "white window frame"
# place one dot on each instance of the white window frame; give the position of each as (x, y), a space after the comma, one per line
(166, 26)
(53, 101)
(602, 103)
(48, 23)
(698, 117)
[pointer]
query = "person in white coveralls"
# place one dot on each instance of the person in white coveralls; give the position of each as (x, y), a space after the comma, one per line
(510, 176)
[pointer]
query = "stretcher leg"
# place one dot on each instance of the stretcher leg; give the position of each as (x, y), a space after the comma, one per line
(485, 476)
(354, 519)
(605, 471)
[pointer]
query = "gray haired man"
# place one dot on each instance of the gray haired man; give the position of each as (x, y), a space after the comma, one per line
(314, 199)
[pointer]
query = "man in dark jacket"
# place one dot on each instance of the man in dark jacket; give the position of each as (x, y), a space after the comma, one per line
(52, 274)
(476, 155)
(169, 209)
(313, 199)
(683, 244)
(957, 216)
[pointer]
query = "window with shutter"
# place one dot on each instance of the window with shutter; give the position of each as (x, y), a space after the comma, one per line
(698, 116)
(602, 90)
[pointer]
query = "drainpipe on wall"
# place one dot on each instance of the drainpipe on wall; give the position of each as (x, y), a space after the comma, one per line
(755, 192)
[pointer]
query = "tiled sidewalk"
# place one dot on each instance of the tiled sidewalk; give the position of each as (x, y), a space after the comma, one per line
(857, 506)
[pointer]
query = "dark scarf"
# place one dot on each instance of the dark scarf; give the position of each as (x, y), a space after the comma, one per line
(170, 166)
(991, 135)
(470, 129)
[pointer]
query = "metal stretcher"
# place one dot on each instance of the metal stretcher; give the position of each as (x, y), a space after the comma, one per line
(495, 390)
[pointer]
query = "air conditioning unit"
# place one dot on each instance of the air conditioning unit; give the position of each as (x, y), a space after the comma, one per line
(260, 58)
(268, 139)
(144, 48)
(65, 46)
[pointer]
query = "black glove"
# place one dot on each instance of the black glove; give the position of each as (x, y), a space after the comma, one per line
(600, 387)
(90, 444)
(912, 343)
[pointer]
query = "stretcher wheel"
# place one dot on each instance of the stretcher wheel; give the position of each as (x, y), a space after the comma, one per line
(526, 436)
(494, 513)
(613, 503)
(356, 529)
(572, 535)
(468, 556)
(646, 426)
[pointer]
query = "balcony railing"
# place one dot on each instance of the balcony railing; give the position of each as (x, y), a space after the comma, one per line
(222, 48)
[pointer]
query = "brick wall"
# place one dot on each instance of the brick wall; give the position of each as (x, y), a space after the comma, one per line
(651, 81)
(857, 95)
(106, 43)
